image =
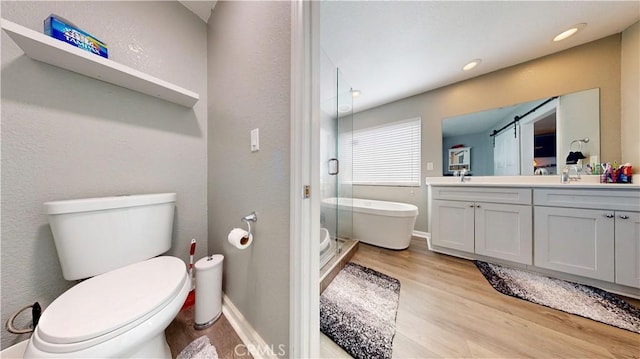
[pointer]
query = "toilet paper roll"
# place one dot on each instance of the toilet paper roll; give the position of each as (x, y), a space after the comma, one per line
(240, 238)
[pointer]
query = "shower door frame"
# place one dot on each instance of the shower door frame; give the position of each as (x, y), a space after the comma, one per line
(304, 294)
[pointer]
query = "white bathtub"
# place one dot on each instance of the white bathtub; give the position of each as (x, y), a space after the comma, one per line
(381, 223)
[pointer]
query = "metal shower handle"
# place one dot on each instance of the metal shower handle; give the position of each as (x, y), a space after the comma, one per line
(334, 166)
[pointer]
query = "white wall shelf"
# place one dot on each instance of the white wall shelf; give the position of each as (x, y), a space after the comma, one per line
(460, 158)
(44, 48)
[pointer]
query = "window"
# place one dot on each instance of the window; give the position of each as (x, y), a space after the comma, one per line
(388, 154)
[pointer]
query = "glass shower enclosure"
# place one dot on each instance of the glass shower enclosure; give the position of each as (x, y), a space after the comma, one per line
(336, 127)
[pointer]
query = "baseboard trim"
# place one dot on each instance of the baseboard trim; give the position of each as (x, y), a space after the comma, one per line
(421, 234)
(252, 341)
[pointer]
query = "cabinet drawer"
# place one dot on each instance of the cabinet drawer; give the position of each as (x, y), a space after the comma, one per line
(626, 200)
(483, 194)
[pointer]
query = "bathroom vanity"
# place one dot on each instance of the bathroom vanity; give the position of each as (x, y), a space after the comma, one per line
(495, 221)
(581, 231)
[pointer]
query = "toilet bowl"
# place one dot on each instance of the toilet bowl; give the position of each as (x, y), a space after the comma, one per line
(325, 240)
(110, 315)
(326, 246)
(15, 351)
(131, 295)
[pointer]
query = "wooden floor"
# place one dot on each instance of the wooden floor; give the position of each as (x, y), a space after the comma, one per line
(448, 310)
(221, 334)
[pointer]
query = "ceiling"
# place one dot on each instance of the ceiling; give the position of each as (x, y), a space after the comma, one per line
(483, 121)
(202, 8)
(390, 50)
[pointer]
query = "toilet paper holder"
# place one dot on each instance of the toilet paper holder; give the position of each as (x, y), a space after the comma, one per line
(252, 217)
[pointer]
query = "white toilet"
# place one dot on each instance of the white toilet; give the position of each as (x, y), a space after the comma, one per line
(122, 310)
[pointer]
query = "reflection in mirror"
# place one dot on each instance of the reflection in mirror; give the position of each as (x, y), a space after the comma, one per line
(527, 138)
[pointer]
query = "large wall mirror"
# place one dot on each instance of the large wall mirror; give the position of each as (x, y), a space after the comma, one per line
(527, 138)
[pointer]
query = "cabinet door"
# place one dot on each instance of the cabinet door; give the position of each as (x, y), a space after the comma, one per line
(452, 224)
(577, 241)
(504, 231)
(628, 248)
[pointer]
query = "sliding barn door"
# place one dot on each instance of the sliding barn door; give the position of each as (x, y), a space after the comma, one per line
(506, 154)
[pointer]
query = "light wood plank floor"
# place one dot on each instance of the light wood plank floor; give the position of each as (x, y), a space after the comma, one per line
(448, 310)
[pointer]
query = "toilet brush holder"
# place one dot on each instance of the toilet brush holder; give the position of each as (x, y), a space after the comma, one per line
(208, 306)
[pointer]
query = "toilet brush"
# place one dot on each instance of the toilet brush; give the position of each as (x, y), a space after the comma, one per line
(191, 298)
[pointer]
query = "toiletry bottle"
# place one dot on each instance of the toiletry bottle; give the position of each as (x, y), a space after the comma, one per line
(603, 176)
(564, 177)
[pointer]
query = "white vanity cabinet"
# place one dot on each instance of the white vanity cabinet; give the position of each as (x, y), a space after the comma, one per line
(504, 231)
(627, 244)
(452, 224)
(495, 222)
(592, 233)
(582, 232)
(577, 241)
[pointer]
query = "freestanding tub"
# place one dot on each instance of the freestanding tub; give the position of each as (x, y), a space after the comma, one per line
(381, 223)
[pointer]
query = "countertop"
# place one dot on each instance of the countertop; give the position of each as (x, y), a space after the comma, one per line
(585, 182)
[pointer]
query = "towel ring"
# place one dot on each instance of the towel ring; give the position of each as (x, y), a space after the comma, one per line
(36, 311)
(580, 143)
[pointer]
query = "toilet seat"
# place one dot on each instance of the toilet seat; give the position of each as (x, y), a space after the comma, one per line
(110, 304)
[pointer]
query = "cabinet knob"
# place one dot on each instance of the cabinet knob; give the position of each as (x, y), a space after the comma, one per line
(609, 215)
(477, 206)
(624, 216)
(471, 205)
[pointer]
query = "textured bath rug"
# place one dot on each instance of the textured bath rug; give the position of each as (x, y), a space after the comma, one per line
(574, 298)
(200, 348)
(358, 311)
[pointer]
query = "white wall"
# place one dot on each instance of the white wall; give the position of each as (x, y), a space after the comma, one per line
(577, 118)
(67, 136)
(249, 50)
(630, 83)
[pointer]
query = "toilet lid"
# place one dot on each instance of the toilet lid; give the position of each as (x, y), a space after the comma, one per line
(111, 300)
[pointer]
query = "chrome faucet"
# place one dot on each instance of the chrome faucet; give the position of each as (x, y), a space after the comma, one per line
(572, 172)
(463, 173)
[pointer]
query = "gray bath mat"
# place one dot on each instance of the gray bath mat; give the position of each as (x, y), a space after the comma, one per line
(200, 348)
(358, 311)
(574, 298)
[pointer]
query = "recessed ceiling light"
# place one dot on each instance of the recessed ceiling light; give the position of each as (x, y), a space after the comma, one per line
(471, 65)
(355, 93)
(570, 32)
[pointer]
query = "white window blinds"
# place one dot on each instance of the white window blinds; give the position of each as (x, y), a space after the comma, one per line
(388, 155)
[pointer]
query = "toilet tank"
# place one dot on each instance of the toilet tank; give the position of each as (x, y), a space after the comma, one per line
(96, 235)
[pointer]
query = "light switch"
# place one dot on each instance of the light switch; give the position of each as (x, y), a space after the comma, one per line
(429, 166)
(255, 140)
